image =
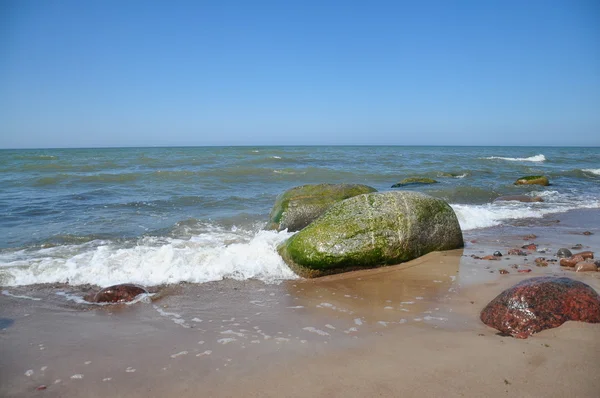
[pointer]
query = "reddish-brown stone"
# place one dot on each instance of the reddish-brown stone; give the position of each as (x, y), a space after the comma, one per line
(525, 270)
(541, 303)
(490, 257)
(541, 262)
(586, 266)
(118, 293)
(532, 247)
(585, 255)
(571, 261)
(517, 252)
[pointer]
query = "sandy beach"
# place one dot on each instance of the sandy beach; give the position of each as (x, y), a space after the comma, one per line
(406, 330)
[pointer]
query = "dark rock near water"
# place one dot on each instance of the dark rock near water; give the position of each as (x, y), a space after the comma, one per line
(541, 303)
(563, 253)
(533, 180)
(118, 293)
(372, 230)
(299, 206)
(414, 181)
(531, 246)
(497, 254)
(577, 246)
(519, 198)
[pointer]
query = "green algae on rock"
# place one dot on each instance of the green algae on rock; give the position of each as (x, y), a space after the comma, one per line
(373, 230)
(533, 180)
(299, 206)
(415, 181)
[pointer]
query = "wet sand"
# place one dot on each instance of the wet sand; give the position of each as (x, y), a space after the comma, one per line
(407, 330)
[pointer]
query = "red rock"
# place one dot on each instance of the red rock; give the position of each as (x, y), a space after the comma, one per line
(541, 262)
(532, 247)
(517, 252)
(585, 255)
(525, 270)
(40, 388)
(586, 266)
(503, 271)
(490, 257)
(571, 261)
(118, 293)
(529, 237)
(588, 233)
(541, 303)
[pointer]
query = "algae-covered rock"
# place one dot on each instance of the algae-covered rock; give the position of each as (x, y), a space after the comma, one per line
(415, 181)
(299, 206)
(533, 180)
(372, 230)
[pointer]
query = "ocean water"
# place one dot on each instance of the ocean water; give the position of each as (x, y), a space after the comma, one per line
(165, 215)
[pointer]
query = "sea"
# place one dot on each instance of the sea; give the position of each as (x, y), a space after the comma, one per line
(156, 216)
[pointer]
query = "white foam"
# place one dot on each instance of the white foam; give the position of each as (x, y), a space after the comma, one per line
(153, 261)
(491, 214)
(536, 158)
(593, 171)
(9, 294)
(315, 330)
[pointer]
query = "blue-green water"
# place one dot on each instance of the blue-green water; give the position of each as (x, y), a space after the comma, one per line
(161, 215)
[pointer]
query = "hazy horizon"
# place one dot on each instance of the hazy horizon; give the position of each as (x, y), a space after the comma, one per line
(267, 73)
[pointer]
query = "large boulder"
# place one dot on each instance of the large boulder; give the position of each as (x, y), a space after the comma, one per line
(372, 230)
(533, 180)
(541, 303)
(299, 206)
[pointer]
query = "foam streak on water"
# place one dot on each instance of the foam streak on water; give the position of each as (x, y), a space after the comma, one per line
(536, 158)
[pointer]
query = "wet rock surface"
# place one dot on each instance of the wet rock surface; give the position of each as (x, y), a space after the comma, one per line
(117, 294)
(541, 303)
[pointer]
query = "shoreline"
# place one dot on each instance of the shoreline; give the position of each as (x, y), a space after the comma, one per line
(410, 330)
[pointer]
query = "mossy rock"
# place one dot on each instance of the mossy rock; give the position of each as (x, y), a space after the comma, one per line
(299, 206)
(533, 180)
(415, 181)
(373, 230)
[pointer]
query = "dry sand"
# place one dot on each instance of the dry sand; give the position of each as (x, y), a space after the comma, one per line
(402, 331)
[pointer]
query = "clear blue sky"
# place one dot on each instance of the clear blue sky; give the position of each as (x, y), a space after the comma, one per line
(143, 73)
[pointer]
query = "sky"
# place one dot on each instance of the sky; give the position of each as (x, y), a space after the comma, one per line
(299, 72)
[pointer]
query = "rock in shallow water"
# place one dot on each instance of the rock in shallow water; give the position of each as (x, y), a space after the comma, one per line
(372, 230)
(541, 303)
(118, 293)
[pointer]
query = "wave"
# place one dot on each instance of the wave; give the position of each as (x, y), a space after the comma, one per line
(592, 171)
(210, 256)
(536, 158)
(491, 214)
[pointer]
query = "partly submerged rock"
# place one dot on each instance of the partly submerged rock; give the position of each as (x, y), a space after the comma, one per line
(519, 198)
(299, 206)
(533, 180)
(372, 230)
(563, 253)
(541, 303)
(118, 293)
(415, 181)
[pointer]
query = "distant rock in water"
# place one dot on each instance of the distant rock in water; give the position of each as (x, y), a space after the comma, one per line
(299, 206)
(541, 303)
(519, 198)
(372, 230)
(415, 181)
(533, 180)
(118, 293)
